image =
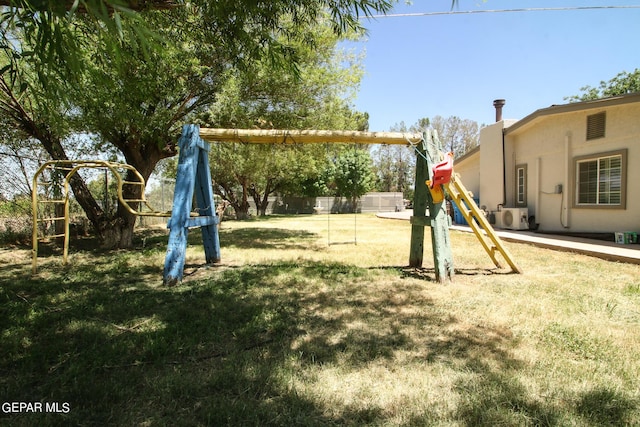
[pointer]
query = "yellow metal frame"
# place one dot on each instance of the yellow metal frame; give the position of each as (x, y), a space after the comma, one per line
(470, 210)
(71, 167)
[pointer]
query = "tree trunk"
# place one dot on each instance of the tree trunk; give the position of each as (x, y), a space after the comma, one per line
(241, 209)
(241, 206)
(114, 232)
(144, 158)
(117, 231)
(353, 200)
(85, 199)
(262, 205)
(261, 201)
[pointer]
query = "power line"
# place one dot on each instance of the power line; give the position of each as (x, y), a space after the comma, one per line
(529, 9)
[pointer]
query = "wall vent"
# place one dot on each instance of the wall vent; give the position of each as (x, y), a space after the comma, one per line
(595, 126)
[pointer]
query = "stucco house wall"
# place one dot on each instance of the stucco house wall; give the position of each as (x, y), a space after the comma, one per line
(546, 147)
(468, 166)
(492, 152)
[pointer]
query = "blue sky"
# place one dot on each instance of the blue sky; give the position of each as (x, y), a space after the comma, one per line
(456, 65)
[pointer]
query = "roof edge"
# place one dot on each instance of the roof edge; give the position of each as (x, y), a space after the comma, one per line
(573, 107)
(468, 154)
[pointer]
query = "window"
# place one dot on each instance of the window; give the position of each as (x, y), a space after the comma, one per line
(595, 126)
(600, 180)
(521, 185)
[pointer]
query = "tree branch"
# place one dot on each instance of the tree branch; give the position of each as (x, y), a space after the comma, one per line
(135, 5)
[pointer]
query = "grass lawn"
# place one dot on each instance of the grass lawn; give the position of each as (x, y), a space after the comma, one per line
(289, 330)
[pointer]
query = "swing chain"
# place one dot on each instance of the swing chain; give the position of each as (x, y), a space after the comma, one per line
(430, 139)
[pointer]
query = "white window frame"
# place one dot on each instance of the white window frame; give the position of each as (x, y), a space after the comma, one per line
(521, 188)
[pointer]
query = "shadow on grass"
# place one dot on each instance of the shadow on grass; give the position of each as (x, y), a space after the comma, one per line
(429, 273)
(482, 271)
(157, 238)
(606, 407)
(144, 239)
(266, 238)
(505, 401)
(229, 349)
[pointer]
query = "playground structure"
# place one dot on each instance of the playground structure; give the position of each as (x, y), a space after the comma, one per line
(193, 176)
(434, 174)
(67, 168)
(433, 168)
(479, 223)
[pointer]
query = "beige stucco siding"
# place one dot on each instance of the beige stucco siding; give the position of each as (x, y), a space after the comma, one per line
(469, 170)
(492, 174)
(542, 150)
(549, 148)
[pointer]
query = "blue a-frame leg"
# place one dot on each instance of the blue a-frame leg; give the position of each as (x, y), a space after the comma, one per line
(193, 176)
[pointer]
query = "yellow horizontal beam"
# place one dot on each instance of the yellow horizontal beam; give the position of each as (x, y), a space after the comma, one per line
(60, 218)
(282, 136)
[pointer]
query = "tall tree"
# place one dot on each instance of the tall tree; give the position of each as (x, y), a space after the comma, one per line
(316, 95)
(353, 175)
(457, 135)
(623, 83)
(394, 165)
(134, 99)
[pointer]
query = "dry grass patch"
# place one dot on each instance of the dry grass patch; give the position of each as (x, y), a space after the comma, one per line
(291, 331)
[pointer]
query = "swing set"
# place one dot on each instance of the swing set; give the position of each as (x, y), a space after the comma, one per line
(434, 175)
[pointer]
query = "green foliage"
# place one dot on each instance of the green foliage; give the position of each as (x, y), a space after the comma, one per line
(19, 206)
(107, 197)
(394, 167)
(315, 96)
(54, 31)
(132, 74)
(352, 174)
(623, 83)
(52, 35)
(141, 100)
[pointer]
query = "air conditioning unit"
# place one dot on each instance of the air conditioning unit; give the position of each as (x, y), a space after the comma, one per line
(513, 218)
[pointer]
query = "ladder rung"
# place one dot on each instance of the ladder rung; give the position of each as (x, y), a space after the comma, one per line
(60, 218)
(133, 182)
(51, 237)
(134, 200)
(464, 199)
(51, 201)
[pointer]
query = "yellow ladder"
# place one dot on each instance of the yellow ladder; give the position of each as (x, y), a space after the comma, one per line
(68, 168)
(469, 209)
